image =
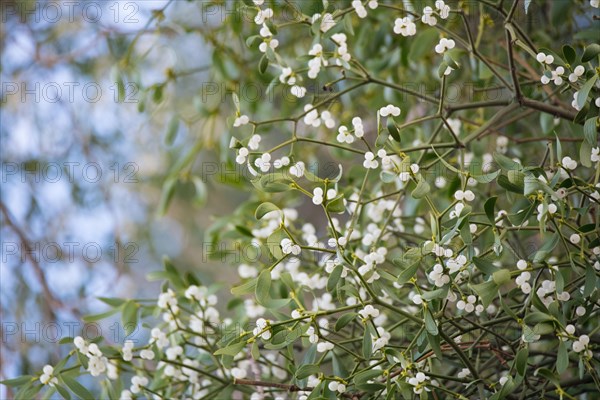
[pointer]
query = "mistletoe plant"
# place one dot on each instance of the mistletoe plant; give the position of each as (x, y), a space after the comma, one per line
(400, 241)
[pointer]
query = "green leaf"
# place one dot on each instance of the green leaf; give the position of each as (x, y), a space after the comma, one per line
(434, 342)
(348, 24)
(370, 387)
(391, 393)
(520, 217)
(536, 316)
(278, 340)
(465, 232)
(157, 95)
(507, 309)
(546, 122)
(253, 40)
(489, 207)
(517, 178)
(28, 391)
(274, 243)
(450, 61)
(121, 89)
(272, 27)
(334, 278)
(590, 281)
(521, 360)
(486, 178)
(172, 273)
(422, 188)
(533, 184)
(245, 288)
(367, 343)
(200, 188)
(590, 51)
(422, 44)
(167, 192)
(65, 340)
(129, 317)
(368, 375)
(430, 324)
(544, 328)
(98, 317)
(569, 54)
(589, 131)
(484, 266)
(506, 184)
(582, 114)
(562, 358)
(172, 129)
(382, 138)
(408, 272)
(263, 285)
(549, 375)
(312, 177)
(501, 276)
(20, 381)
(393, 129)
(557, 58)
(274, 304)
(583, 93)
(49, 394)
(449, 166)
(263, 64)
(236, 102)
(585, 154)
(506, 163)
(441, 72)
(255, 351)
(112, 301)
(77, 388)
(344, 320)
(274, 182)
(307, 370)
(336, 205)
(63, 392)
(546, 249)
(387, 177)
(265, 208)
(83, 360)
(558, 148)
(231, 350)
(487, 291)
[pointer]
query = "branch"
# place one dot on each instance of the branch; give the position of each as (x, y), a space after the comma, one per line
(549, 109)
(404, 90)
(51, 302)
(511, 62)
(289, 388)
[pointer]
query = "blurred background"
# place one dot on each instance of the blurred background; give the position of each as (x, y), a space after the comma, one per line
(114, 128)
(100, 99)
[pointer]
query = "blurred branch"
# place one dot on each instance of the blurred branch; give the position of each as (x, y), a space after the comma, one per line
(289, 388)
(52, 302)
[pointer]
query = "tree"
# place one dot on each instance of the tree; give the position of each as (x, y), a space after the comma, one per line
(423, 217)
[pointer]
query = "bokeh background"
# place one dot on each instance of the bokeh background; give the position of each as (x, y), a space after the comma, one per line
(92, 121)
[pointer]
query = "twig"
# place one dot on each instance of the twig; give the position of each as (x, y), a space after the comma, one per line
(285, 386)
(51, 302)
